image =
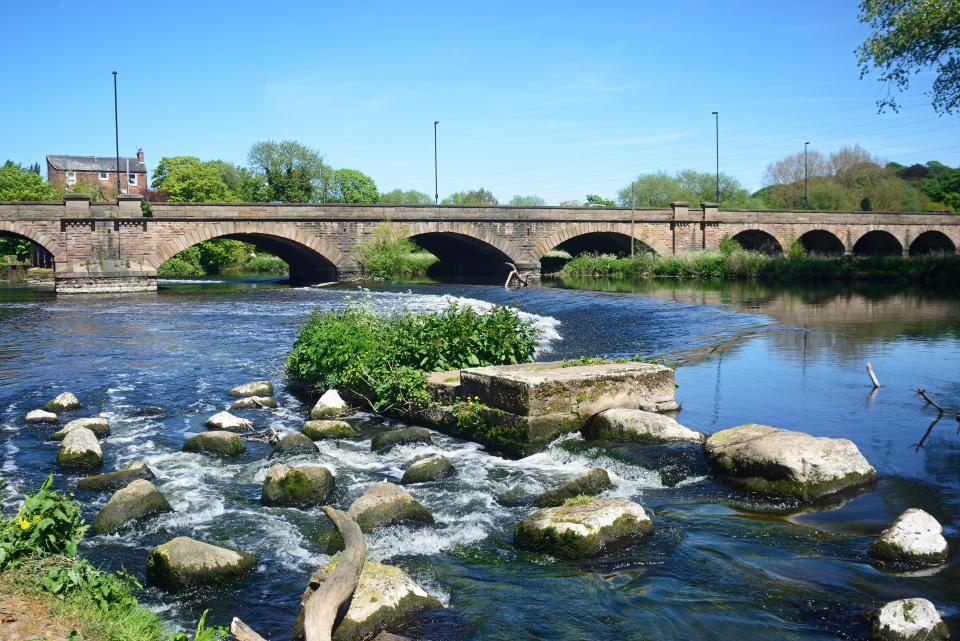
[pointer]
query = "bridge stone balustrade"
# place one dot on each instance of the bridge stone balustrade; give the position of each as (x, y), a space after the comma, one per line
(116, 247)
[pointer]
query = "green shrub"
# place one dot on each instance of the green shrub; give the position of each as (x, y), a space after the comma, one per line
(48, 523)
(388, 253)
(177, 266)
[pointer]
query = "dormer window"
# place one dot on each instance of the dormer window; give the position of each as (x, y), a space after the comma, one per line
(71, 177)
(104, 175)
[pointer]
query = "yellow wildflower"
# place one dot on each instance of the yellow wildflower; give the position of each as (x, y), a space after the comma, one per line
(24, 524)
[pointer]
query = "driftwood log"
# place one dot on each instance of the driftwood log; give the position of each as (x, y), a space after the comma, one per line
(514, 274)
(873, 376)
(321, 609)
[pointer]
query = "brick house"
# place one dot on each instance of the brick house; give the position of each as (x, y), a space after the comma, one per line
(98, 171)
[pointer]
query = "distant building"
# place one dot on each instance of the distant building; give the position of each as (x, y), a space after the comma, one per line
(98, 171)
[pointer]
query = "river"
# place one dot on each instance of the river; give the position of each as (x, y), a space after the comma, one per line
(718, 567)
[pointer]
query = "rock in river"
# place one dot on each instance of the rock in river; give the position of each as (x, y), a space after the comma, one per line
(301, 486)
(915, 538)
(326, 429)
(80, 450)
(582, 530)
(385, 598)
(640, 426)
(589, 483)
(432, 468)
(908, 620)
(386, 440)
(63, 403)
(184, 562)
(229, 422)
(254, 403)
(783, 463)
(330, 405)
(117, 479)
(254, 388)
(215, 442)
(295, 443)
(137, 500)
(384, 504)
(40, 416)
(97, 425)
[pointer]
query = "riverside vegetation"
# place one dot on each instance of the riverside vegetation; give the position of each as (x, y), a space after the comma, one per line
(390, 254)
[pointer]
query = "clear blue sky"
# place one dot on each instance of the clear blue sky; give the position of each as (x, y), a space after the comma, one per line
(552, 98)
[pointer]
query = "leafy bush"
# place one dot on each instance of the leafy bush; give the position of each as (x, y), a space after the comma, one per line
(384, 358)
(388, 253)
(177, 266)
(48, 523)
(222, 255)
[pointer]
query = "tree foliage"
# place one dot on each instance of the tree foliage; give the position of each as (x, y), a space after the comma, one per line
(689, 186)
(188, 179)
(910, 36)
(294, 173)
(478, 197)
(400, 197)
(21, 183)
(527, 201)
(352, 186)
(593, 200)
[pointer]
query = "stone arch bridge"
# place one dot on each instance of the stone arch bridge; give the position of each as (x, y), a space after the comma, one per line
(116, 247)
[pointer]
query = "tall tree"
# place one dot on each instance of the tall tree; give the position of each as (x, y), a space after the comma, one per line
(527, 201)
(593, 200)
(190, 180)
(294, 173)
(352, 186)
(400, 197)
(785, 178)
(910, 36)
(19, 183)
(691, 186)
(478, 197)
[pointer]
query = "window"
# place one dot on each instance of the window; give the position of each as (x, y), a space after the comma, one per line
(132, 179)
(104, 175)
(71, 177)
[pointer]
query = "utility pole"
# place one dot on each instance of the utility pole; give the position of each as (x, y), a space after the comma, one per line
(116, 131)
(806, 202)
(436, 188)
(633, 214)
(716, 128)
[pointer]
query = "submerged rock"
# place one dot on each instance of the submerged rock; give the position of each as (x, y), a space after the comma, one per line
(385, 598)
(97, 425)
(184, 562)
(582, 530)
(783, 463)
(117, 479)
(330, 405)
(229, 422)
(40, 416)
(301, 486)
(391, 438)
(915, 538)
(80, 450)
(150, 410)
(589, 483)
(215, 442)
(254, 388)
(320, 430)
(254, 403)
(63, 403)
(295, 443)
(432, 468)
(139, 499)
(641, 426)
(908, 620)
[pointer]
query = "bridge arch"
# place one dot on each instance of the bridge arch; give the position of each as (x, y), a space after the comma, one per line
(758, 240)
(932, 242)
(822, 243)
(607, 238)
(878, 243)
(45, 245)
(463, 250)
(310, 258)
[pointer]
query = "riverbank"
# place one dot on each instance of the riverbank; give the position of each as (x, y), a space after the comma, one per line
(748, 265)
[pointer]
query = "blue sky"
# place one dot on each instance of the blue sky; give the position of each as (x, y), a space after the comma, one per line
(552, 98)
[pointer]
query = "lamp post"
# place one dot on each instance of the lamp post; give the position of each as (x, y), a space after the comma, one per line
(716, 129)
(116, 131)
(806, 202)
(436, 188)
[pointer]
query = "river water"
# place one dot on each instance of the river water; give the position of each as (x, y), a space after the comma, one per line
(720, 565)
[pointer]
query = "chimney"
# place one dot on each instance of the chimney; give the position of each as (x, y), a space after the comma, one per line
(140, 155)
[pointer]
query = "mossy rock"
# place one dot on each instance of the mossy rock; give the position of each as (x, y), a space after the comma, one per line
(117, 479)
(215, 442)
(138, 500)
(253, 388)
(98, 425)
(254, 403)
(63, 403)
(295, 443)
(320, 430)
(386, 504)
(914, 540)
(589, 483)
(301, 486)
(432, 468)
(184, 563)
(80, 450)
(391, 438)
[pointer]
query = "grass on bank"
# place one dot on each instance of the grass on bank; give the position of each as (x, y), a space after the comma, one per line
(222, 256)
(41, 573)
(389, 254)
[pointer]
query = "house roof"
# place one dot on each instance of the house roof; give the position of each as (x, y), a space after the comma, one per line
(95, 163)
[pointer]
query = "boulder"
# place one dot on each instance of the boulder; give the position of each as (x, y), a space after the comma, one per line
(215, 442)
(908, 620)
(385, 598)
(150, 410)
(580, 530)
(99, 426)
(330, 405)
(117, 479)
(40, 416)
(254, 403)
(139, 499)
(301, 486)
(184, 562)
(254, 388)
(295, 443)
(640, 426)
(229, 422)
(590, 483)
(80, 451)
(63, 403)
(326, 429)
(783, 463)
(384, 504)
(432, 468)
(386, 440)
(915, 538)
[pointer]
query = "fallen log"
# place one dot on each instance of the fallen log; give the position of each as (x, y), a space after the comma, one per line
(514, 273)
(923, 395)
(873, 376)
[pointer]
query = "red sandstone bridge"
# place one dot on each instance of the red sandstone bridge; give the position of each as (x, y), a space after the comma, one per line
(115, 247)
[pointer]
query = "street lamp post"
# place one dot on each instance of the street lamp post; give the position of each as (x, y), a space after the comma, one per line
(436, 188)
(116, 130)
(716, 129)
(806, 202)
